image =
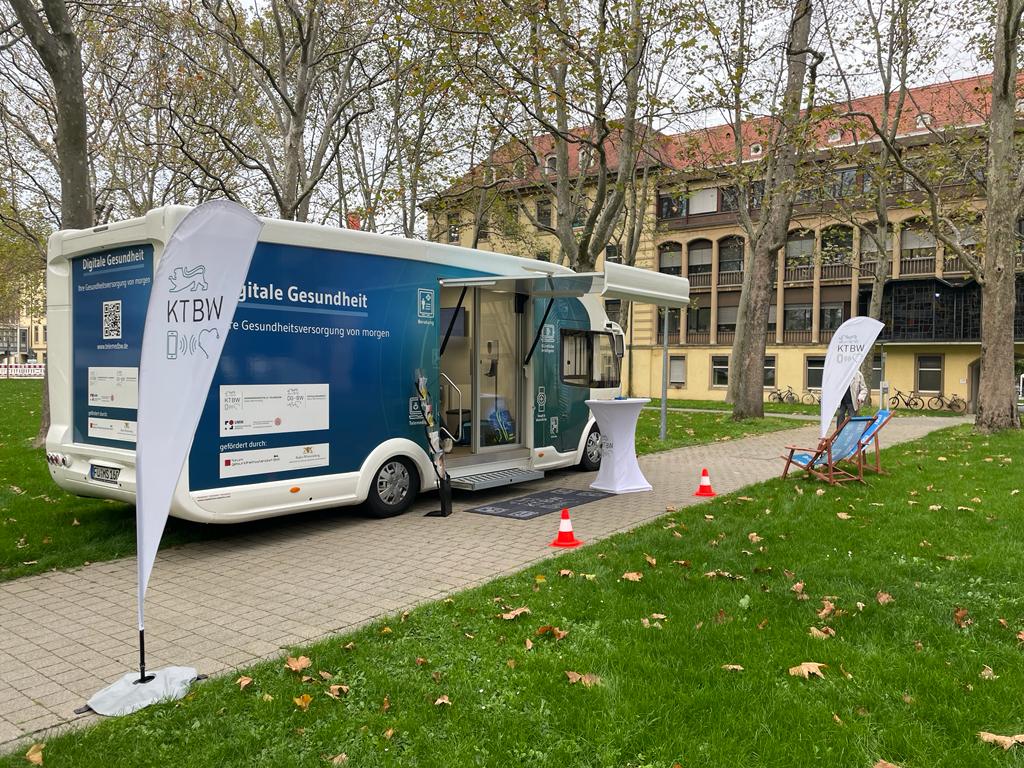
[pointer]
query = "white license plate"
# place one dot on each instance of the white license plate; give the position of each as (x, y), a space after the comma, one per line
(105, 474)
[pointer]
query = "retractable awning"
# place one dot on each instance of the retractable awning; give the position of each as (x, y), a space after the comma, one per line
(616, 282)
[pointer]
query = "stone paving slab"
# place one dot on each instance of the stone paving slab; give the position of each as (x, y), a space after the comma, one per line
(223, 604)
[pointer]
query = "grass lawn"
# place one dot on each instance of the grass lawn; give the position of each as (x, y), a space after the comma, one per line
(917, 575)
(42, 527)
(809, 410)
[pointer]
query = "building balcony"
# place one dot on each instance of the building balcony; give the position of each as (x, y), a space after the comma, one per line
(954, 266)
(796, 337)
(799, 273)
(726, 337)
(700, 280)
(673, 338)
(917, 266)
(698, 337)
(867, 269)
(836, 271)
(732, 277)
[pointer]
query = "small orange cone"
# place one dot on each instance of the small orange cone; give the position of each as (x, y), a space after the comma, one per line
(705, 485)
(565, 537)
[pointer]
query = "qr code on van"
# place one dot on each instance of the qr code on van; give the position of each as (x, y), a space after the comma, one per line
(112, 319)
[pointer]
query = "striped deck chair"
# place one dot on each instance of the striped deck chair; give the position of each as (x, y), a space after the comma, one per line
(845, 444)
(870, 437)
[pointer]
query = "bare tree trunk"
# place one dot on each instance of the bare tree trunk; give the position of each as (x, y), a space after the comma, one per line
(997, 402)
(746, 365)
(59, 49)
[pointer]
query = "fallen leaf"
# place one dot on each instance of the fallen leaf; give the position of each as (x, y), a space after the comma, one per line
(658, 616)
(420, 661)
(306, 678)
(1004, 623)
(385, 630)
(436, 676)
(35, 753)
(961, 618)
(529, 644)
(540, 578)
(334, 690)
(808, 669)
(822, 634)
(297, 665)
(650, 560)
(511, 663)
(683, 563)
(732, 667)
(339, 759)
(744, 498)
(588, 679)
(442, 700)
(884, 598)
(405, 615)
(827, 607)
(548, 629)
(350, 646)
(302, 702)
(632, 576)
(709, 517)
(589, 576)
(820, 492)
(515, 613)
(907, 698)
(242, 682)
(788, 573)
(724, 575)
(987, 673)
(75, 522)
(884, 764)
(267, 697)
(844, 515)
(386, 704)
(860, 606)
(1003, 741)
(934, 507)
(763, 624)
(566, 573)
(836, 719)
(798, 588)
(326, 675)
(941, 458)
(799, 490)
(754, 538)
(389, 733)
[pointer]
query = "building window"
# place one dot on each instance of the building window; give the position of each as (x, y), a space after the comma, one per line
(579, 218)
(769, 371)
(671, 206)
(756, 150)
(698, 319)
(875, 380)
(550, 164)
(730, 255)
(727, 319)
(917, 242)
(543, 256)
(703, 201)
(730, 199)
(814, 368)
(35, 334)
(800, 249)
(719, 370)
(837, 245)
(698, 258)
(670, 259)
(677, 371)
(544, 213)
(611, 253)
(613, 308)
(673, 325)
(831, 316)
(844, 183)
(797, 317)
(929, 373)
(453, 227)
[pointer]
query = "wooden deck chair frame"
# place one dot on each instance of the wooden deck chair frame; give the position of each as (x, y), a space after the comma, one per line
(872, 441)
(830, 472)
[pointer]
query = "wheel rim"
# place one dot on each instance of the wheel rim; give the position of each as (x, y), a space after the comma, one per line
(594, 447)
(393, 483)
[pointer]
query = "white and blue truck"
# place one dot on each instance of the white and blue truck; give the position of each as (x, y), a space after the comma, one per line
(313, 403)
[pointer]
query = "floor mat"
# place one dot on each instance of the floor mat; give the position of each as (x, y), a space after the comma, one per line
(540, 503)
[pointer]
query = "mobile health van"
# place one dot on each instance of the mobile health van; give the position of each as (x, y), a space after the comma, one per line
(314, 401)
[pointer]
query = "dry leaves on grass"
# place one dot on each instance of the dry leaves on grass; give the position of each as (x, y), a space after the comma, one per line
(844, 515)
(650, 560)
(549, 629)
(588, 679)
(386, 704)
(884, 598)
(297, 665)
(827, 608)
(242, 682)
(566, 573)
(961, 618)
(339, 759)
(35, 753)
(987, 673)
(884, 764)
(822, 634)
(515, 613)
(334, 690)
(754, 538)
(808, 669)
(1003, 741)
(732, 667)
(302, 702)
(632, 576)
(442, 701)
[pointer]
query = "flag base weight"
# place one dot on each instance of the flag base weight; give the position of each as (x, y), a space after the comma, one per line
(127, 695)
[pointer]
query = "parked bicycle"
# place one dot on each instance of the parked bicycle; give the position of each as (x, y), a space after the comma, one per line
(811, 398)
(912, 401)
(780, 396)
(955, 403)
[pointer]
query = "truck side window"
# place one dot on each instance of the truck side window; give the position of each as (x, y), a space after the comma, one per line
(589, 359)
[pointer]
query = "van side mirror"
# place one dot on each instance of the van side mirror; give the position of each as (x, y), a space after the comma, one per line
(619, 344)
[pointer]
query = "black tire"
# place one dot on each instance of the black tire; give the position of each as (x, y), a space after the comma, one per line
(915, 403)
(957, 405)
(774, 397)
(791, 398)
(935, 404)
(807, 399)
(591, 461)
(393, 488)
(894, 402)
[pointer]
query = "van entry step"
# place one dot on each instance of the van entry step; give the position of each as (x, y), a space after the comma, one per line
(495, 479)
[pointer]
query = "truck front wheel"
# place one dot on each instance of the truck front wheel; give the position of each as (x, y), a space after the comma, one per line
(393, 488)
(591, 461)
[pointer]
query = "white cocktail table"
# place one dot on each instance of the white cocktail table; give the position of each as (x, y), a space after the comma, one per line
(620, 472)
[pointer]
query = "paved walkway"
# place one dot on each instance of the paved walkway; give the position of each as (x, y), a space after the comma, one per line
(222, 604)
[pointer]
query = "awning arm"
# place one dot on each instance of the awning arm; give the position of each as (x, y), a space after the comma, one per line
(451, 323)
(540, 330)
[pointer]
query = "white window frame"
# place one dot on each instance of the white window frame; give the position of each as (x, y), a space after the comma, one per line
(674, 381)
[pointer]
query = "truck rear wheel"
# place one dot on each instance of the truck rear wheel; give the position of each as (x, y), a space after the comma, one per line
(591, 461)
(393, 488)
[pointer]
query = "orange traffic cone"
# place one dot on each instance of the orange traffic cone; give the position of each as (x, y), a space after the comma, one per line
(705, 485)
(565, 537)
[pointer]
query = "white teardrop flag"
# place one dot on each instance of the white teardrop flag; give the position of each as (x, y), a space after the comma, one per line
(847, 350)
(192, 302)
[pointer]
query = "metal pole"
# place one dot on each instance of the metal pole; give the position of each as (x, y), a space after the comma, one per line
(664, 376)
